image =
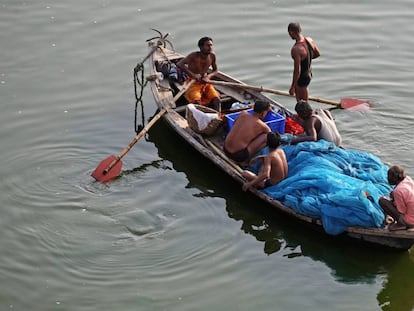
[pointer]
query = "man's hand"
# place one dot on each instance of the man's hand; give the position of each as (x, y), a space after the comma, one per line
(246, 186)
(205, 78)
(197, 77)
(292, 90)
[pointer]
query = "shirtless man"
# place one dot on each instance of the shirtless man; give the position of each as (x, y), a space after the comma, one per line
(302, 52)
(317, 125)
(248, 134)
(196, 65)
(273, 169)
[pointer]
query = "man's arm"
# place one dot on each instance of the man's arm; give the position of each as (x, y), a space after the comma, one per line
(315, 49)
(310, 130)
(184, 65)
(214, 67)
(264, 173)
(399, 202)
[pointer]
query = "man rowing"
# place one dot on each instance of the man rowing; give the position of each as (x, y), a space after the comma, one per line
(196, 65)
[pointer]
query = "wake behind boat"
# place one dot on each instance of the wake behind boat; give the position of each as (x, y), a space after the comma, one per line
(339, 198)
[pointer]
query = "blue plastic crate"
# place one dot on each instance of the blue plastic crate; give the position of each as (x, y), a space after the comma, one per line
(275, 121)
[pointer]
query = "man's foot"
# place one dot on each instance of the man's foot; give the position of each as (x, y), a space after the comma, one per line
(389, 220)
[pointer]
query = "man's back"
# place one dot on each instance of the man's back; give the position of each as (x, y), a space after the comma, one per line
(278, 164)
(246, 128)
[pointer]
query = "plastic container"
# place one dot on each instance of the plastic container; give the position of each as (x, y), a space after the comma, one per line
(275, 121)
(238, 105)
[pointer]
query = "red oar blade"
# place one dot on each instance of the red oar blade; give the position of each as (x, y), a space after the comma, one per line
(102, 174)
(355, 104)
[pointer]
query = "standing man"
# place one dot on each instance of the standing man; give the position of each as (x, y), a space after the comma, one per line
(196, 65)
(302, 52)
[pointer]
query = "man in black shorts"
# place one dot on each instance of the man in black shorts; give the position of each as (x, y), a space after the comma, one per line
(248, 134)
(302, 52)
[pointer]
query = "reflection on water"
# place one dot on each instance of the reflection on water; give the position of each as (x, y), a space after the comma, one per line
(349, 263)
(397, 293)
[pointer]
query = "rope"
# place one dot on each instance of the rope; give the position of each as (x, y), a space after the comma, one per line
(138, 100)
(141, 82)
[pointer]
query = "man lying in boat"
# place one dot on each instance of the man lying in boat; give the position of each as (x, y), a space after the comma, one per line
(196, 65)
(273, 169)
(401, 205)
(248, 134)
(318, 124)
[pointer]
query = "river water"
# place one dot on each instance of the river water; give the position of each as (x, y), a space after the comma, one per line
(173, 233)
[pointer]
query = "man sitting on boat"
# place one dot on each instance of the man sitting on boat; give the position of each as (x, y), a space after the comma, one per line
(248, 134)
(273, 169)
(401, 205)
(318, 124)
(196, 65)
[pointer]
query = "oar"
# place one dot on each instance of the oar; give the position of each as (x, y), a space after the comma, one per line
(110, 168)
(345, 103)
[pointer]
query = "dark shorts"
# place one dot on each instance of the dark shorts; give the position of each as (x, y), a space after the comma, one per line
(268, 183)
(239, 156)
(304, 80)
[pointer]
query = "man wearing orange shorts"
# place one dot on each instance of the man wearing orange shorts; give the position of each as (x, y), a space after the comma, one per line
(196, 65)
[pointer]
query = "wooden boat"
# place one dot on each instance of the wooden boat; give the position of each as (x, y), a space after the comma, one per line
(211, 146)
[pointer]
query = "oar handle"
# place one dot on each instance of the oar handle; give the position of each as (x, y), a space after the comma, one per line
(148, 126)
(234, 165)
(325, 101)
(273, 91)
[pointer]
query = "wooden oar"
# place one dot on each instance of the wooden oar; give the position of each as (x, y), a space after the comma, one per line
(234, 165)
(345, 103)
(110, 168)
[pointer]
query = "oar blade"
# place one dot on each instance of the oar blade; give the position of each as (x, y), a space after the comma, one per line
(354, 104)
(102, 174)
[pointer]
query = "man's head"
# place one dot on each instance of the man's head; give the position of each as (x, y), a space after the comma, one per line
(206, 45)
(395, 174)
(261, 107)
(294, 30)
(303, 109)
(273, 140)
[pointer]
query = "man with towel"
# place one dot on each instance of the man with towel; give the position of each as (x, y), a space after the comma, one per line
(318, 124)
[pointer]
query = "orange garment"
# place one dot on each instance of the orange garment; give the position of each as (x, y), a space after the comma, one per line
(202, 92)
(404, 199)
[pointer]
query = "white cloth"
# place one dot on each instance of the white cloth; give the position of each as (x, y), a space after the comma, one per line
(328, 130)
(203, 118)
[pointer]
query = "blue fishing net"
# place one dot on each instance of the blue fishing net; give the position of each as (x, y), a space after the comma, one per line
(332, 184)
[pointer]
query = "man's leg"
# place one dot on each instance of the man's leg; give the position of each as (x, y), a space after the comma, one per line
(389, 208)
(301, 93)
(257, 144)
